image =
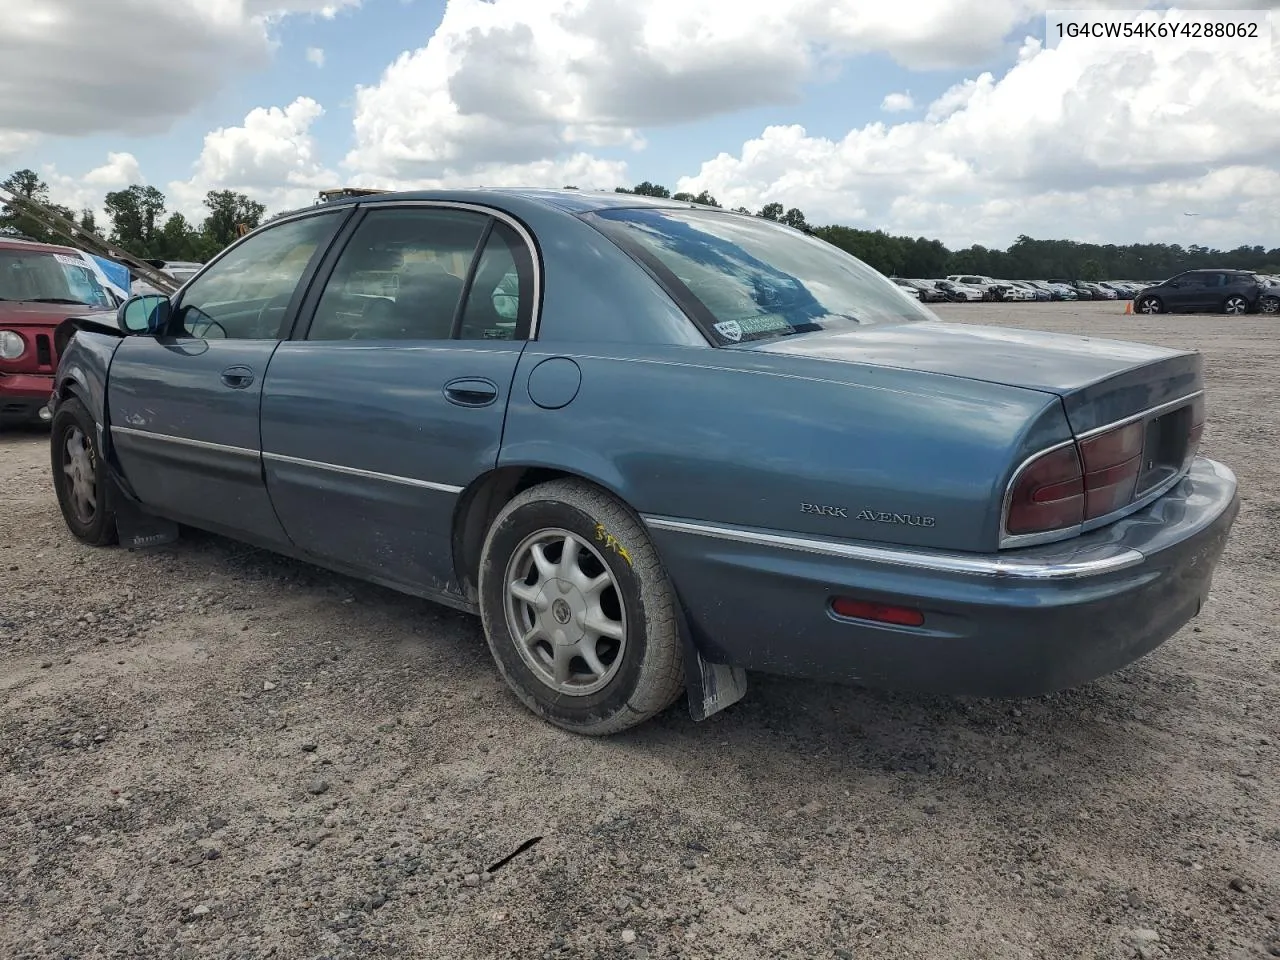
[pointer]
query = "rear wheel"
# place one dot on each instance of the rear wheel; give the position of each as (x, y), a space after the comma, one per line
(1150, 305)
(578, 611)
(79, 475)
(1235, 305)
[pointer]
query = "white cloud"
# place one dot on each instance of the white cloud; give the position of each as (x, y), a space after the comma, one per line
(515, 81)
(1081, 140)
(315, 56)
(77, 67)
(898, 102)
(272, 157)
(88, 190)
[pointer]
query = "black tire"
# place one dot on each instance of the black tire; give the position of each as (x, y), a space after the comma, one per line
(646, 674)
(1149, 305)
(72, 426)
(1269, 305)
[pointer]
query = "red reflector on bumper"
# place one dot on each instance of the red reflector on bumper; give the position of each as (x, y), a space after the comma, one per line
(880, 612)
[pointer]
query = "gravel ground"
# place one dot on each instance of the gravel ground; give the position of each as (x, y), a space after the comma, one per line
(209, 751)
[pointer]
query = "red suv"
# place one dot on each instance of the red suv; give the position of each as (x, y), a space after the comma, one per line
(40, 286)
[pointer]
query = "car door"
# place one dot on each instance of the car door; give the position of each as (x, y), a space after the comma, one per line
(1183, 292)
(183, 405)
(390, 398)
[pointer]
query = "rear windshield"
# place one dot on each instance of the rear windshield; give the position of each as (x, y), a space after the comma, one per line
(745, 278)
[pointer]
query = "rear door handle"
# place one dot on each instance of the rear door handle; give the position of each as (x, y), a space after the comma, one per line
(237, 378)
(471, 392)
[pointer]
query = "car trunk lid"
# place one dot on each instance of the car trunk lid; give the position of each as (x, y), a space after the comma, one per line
(1099, 381)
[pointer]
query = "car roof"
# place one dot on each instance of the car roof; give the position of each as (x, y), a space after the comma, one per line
(570, 201)
(13, 243)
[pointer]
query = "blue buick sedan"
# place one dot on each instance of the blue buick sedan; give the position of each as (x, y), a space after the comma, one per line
(653, 446)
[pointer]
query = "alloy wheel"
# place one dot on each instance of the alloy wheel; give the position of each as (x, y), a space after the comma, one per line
(78, 465)
(1235, 305)
(565, 611)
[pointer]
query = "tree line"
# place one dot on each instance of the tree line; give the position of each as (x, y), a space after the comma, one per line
(1025, 259)
(137, 220)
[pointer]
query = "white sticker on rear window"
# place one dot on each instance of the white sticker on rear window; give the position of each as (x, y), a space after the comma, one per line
(69, 260)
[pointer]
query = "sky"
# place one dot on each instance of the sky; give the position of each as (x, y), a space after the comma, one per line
(962, 120)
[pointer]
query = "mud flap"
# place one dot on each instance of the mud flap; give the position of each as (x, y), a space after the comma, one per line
(711, 686)
(135, 527)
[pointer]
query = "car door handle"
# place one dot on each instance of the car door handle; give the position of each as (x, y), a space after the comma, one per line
(237, 377)
(471, 392)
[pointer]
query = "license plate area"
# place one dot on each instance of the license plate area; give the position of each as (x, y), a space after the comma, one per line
(1164, 452)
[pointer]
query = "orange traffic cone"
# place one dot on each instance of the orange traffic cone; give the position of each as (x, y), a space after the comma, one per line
(1128, 307)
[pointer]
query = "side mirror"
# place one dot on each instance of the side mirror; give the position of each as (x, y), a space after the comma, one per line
(144, 314)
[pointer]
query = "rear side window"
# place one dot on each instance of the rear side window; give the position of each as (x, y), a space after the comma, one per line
(744, 278)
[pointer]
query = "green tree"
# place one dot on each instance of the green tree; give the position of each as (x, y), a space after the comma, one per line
(27, 184)
(228, 210)
(179, 240)
(136, 214)
(771, 211)
(794, 218)
(646, 189)
(1091, 270)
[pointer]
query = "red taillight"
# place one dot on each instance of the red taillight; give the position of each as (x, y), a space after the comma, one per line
(1112, 462)
(1048, 494)
(1099, 475)
(880, 612)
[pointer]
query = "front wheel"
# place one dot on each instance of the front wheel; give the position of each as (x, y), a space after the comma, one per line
(1235, 305)
(79, 475)
(1150, 305)
(1269, 305)
(578, 611)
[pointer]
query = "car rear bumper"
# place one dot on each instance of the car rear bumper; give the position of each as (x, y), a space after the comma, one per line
(1019, 623)
(24, 397)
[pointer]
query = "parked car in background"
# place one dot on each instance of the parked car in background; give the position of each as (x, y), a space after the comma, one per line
(40, 286)
(929, 293)
(1057, 291)
(555, 469)
(992, 289)
(1030, 291)
(960, 292)
(1081, 291)
(1121, 290)
(907, 287)
(1203, 291)
(179, 270)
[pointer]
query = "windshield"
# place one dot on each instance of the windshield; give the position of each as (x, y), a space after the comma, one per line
(41, 276)
(745, 278)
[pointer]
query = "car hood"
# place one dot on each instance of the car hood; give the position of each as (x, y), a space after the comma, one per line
(1099, 380)
(28, 314)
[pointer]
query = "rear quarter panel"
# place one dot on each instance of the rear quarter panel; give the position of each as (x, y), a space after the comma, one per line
(733, 437)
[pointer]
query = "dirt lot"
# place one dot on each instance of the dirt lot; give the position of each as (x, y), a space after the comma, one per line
(209, 751)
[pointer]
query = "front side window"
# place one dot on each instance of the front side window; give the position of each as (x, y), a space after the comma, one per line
(42, 276)
(246, 294)
(745, 278)
(401, 277)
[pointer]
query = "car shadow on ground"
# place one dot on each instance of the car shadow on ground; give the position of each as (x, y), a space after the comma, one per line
(788, 728)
